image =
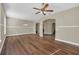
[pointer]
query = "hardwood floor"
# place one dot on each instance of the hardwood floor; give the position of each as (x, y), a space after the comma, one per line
(34, 45)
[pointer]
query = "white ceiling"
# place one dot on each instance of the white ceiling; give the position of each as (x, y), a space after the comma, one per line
(25, 11)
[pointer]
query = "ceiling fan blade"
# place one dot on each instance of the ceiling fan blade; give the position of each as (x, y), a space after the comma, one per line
(49, 10)
(36, 8)
(37, 12)
(45, 6)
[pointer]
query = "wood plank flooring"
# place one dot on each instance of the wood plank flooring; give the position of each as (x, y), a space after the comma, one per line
(34, 45)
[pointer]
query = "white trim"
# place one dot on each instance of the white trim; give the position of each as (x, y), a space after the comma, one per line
(68, 26)
(2, 44)
(73, 43)
(19, 34)
(18, 27)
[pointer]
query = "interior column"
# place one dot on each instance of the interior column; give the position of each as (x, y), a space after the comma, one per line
(41, 29)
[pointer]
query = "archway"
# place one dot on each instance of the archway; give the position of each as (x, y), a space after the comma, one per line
(49, 28)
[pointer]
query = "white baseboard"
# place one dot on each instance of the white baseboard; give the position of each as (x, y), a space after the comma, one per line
(2, 44)
(73, 43)
(19, 34)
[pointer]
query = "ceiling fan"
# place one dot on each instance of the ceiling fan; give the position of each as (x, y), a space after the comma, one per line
(43, 9)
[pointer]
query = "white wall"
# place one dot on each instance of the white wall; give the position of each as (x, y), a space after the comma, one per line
(17, 27)
(2, 34)
(0, 22)
(67, 25)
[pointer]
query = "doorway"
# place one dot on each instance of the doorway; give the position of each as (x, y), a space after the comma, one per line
(49, 28)
(37, 28)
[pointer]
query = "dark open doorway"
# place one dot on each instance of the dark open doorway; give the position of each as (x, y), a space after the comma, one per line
(53, 28)
(37, 28)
